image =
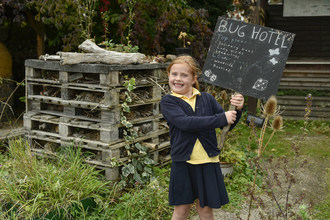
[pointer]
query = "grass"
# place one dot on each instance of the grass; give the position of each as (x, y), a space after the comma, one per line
(40, 185)
(37, 186)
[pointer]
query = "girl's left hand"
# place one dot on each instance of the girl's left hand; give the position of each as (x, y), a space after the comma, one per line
(238, 101)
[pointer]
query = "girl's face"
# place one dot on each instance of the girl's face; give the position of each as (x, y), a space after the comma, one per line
(181, 79)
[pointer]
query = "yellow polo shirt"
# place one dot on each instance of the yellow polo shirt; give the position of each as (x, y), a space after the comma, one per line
(198, 155)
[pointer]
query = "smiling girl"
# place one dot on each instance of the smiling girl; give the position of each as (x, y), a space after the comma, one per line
(192, 117)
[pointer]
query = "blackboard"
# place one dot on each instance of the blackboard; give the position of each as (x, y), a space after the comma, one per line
(246, 58)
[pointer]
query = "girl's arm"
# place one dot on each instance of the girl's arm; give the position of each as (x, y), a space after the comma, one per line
(177, 117)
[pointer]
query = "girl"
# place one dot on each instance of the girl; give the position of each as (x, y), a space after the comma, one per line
(192, 117)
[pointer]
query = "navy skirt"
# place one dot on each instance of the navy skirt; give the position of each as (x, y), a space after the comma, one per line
(189, 182)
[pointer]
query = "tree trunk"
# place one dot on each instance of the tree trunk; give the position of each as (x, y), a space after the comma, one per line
(39, 27)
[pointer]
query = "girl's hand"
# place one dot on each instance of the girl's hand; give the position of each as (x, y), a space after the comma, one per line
(231, 117)
(238, 101)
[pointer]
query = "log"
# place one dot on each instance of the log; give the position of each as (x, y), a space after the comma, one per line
(89, 46)
(151, 146)
(69, 58)
(99, 55)
(49, 57)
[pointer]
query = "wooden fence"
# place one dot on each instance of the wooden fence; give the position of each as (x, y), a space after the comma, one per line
(306, 75)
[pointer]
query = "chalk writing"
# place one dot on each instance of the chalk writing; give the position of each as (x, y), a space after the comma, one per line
(269, 36)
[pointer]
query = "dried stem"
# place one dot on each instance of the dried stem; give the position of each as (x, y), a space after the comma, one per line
(268, 141)
(273, 195)
(3, 109)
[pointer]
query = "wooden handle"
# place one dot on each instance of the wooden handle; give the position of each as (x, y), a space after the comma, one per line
(225, 129)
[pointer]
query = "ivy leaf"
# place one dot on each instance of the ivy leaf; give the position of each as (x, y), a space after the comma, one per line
(125, 107)
(145, 174)
(148, 170)
(132, 81)
(134, 162)
(128, 169)
(128, 99)
(138, 146)
(139, 166)
(144, 148)
(130, 88)
(137, 177)
(149, 161)
(127, 124)
(128, 138)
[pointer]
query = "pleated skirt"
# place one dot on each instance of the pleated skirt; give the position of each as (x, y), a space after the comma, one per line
(189, 182)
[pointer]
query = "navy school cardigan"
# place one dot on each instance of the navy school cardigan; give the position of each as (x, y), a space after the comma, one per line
(187, 125)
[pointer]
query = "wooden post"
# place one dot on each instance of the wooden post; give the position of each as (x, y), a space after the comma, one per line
(225, 130)
(255, 19)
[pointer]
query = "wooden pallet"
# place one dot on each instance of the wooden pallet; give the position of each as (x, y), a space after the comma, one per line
(91, 112)
(93, 75)
(81, 105)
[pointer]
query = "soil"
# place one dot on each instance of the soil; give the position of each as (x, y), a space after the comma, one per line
(310, 178)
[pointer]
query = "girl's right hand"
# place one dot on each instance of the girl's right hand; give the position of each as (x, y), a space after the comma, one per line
(231, 117)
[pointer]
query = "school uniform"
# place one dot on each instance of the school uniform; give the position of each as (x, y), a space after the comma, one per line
(195, 171)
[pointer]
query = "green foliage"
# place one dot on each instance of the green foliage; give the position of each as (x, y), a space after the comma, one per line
(63, 15)
(157, 26)
(141, 202)
(215, 8)
(231, 155)
(86, 12)
(119, 47)
(241, 180)
(38, 186)
(139, 169)
(148, 202)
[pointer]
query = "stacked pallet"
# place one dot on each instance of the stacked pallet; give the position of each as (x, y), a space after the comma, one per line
(81, 105)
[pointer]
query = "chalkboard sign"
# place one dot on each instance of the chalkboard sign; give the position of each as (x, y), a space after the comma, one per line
(247, 58)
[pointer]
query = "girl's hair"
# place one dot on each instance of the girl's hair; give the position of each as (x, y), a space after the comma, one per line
(196, 71)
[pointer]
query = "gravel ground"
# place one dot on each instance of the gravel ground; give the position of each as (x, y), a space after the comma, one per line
(220, 214)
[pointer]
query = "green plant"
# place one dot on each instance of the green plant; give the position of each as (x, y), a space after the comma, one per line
(109, 45)
(139, 166)
(157, 26)
(86, 12)
(241, 180)
(38, 186)
(231, 155)
(143, 202)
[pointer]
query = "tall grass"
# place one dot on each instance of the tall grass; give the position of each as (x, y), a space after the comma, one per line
(37, 186)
